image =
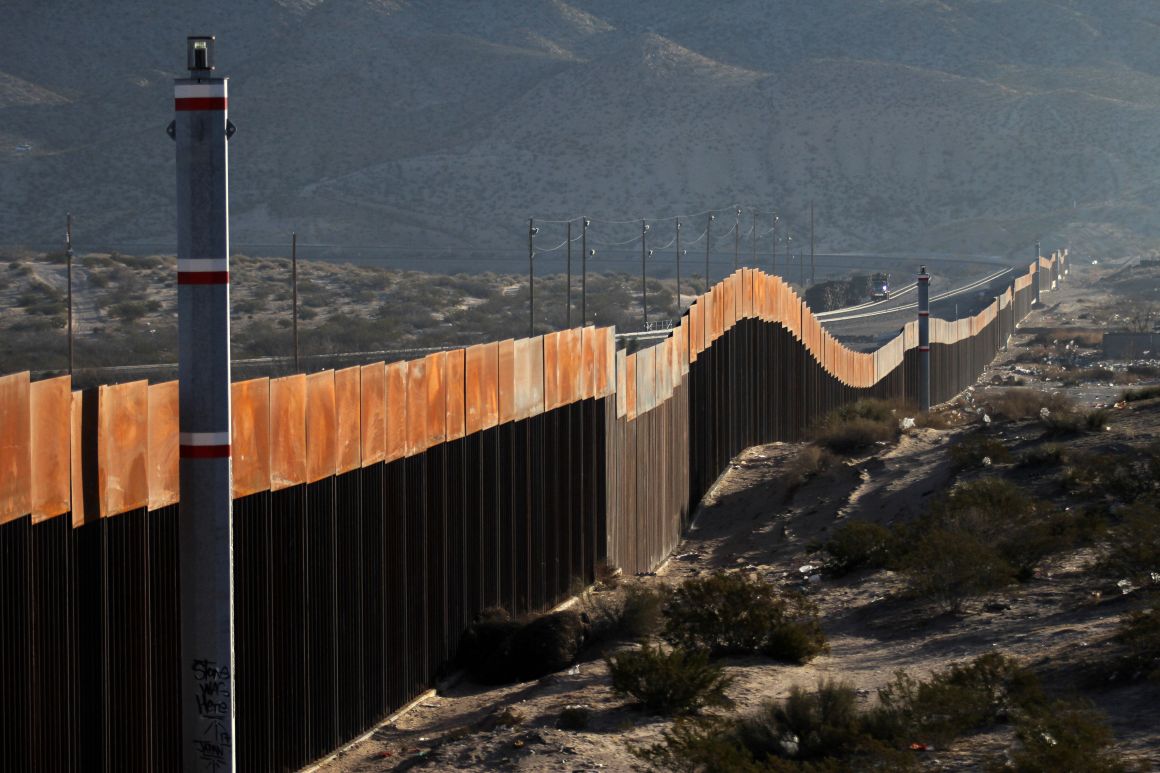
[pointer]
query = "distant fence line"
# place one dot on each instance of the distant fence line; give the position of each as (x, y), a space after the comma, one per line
(379, 508)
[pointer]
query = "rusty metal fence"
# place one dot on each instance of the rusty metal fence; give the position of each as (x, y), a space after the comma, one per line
(379, 508)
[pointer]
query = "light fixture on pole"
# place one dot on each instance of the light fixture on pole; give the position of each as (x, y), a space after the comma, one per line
(708, 238)
(644, 228)
(678, 266)
(737, 239)
(584, 271)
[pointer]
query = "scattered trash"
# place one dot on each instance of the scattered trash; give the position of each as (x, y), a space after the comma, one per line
(1125, 587)
(574, 670)
(907, 423)
(518, 743)
(921, 747)
(1047, 737)
(986, 461)
(1044, 412)
(806, 569)
(690, 556)
(815, 579)
(986, 419)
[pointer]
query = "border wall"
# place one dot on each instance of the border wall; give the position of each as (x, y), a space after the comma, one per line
(378, 509)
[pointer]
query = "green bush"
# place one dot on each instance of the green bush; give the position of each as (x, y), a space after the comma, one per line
(977, 450)
(989, 690)
(949, 566)
(732, 614)
(1139, 631)
(674, 682)
(634, 614)
(1142, 393)
(1046, 455)
(1133, 545)
(856, 545)
(1064, 736)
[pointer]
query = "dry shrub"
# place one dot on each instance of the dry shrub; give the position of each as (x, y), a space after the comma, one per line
(1075, 422)
(632, 614)
(731, 614)
(857, 425)
(1046, 455)
(1133, 545)
(808, 462)
(498, 649)
(979, 449)
(1064, 736)
(1140, 632)
(1024, 403)
(1087, 337)
(857, 545)
(1143, 393)
(675, 682)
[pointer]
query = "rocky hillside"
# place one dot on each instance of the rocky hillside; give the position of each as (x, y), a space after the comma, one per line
(968, 126)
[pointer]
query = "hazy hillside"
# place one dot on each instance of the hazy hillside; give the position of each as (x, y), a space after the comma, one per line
(962, 125)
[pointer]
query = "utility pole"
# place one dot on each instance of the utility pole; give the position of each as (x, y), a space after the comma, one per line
(568, 293)
(923, 340)
(812, 279)
(294, 293)
(773, 248)
(201, 129)
(68, 254)
(643, 286)
(708, 237)
(532, 231)
(584, 271)
(1038, 284)
(737, 239)
(754, 261)
(678, 267)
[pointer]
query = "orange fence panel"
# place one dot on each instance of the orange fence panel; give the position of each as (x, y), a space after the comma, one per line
(164, 458)
(15, 448)
(456, 394)
(348, 418)
(587, 374)
(416, 411)
(397, 377)
(507, 381)
(552, 356)
(373, 406)
(50, 403)
(321, 433)
(568, 375)
(482, 387)
(436, 398)
(250, 436)
(122, 447)
(287, 431)
(630, 383)
(529, 377)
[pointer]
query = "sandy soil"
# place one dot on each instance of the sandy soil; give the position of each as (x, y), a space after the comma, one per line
(1059, 622)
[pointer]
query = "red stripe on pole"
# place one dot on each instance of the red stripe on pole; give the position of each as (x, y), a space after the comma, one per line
(205, 452)
(199, 103)
(924, 348)
(203, 277)
(924, 313)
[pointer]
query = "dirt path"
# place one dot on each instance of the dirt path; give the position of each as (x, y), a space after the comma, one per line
(748, 521)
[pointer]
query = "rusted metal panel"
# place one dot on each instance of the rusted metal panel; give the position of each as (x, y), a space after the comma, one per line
(568, 375)
(348, 418)
(696, 331)
(50, 428)
(529, 382)
(552, 365)
(609, 361)
(630, 383)
(15, 447)
(398, 380)
(436, 398)
(373, 399)
(506, 373)
(321, 430)
(83, 476)
(456, 394)
(588, 363)
(250, 436)
(164, 461)
(123, 447)
(287, 431)
(416, 407)
(482, 387)
(620, 378)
